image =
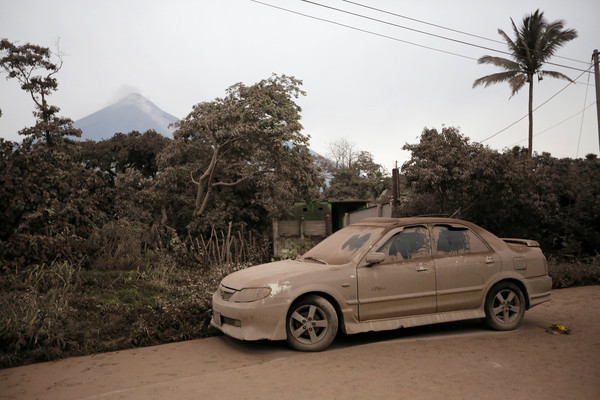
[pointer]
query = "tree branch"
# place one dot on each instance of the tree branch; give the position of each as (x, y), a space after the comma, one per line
(230, 183)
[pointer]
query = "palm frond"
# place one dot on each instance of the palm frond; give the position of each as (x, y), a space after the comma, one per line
(511, 45)
(501, 62)
(495, 78)
(555, 37)
(555, 74)
(518, 47)
(515, 29)
(516, 83)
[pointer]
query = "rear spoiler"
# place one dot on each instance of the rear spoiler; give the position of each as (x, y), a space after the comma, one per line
(525, 242)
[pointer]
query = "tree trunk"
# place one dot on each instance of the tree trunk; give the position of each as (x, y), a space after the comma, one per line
(530, 149)
(204, 185)
(207, 195)
(200, 195)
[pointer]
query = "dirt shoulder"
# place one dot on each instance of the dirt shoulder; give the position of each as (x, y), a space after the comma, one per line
(449, 361)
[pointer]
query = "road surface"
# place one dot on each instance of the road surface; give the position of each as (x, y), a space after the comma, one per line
(448, 361)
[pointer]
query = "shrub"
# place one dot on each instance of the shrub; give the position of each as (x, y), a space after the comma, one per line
(570, 272)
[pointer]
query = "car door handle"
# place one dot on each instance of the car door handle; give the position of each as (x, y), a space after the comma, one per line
(422, 268)
(489, 260)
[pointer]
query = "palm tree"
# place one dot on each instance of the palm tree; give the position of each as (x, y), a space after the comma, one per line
(535, 42)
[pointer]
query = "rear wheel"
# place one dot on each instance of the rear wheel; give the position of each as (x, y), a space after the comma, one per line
(504, 306)
(311, 324)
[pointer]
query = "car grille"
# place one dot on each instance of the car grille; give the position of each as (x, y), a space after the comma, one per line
(226, 292)
(231, 321)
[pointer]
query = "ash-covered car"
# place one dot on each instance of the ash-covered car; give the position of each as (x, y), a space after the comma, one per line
(382, 274)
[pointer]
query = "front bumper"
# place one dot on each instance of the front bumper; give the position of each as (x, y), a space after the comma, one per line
(263, 319)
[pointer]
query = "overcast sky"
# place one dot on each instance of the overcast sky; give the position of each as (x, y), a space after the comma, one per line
(378, 92)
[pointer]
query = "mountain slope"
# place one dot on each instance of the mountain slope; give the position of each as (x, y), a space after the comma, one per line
(132, 113)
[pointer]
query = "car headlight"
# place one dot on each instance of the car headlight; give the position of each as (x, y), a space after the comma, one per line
(250, 294)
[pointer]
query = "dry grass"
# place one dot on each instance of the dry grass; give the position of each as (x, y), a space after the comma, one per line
(59, 310)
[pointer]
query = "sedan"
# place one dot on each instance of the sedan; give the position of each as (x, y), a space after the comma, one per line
(383, 274)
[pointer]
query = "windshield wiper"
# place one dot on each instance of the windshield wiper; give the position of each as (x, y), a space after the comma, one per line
(316, 259)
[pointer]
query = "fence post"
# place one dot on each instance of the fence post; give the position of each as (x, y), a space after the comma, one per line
(275, 237)
(328, 225)
(228, 244)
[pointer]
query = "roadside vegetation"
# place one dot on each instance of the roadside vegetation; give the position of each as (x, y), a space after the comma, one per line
(60, 309)
(121, 243)
(570, 272)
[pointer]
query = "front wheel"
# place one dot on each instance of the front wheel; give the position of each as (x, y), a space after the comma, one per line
(504, 307)
(311, 324)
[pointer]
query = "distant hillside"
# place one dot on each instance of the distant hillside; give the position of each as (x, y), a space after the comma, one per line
(132, 113)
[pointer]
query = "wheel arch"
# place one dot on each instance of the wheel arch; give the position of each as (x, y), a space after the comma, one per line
(516, 282)
(331, 299)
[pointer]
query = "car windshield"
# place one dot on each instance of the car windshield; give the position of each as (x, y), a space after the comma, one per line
(344, 245)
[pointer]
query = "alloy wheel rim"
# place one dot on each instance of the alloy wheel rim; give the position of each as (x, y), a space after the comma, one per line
(506, 306)
(308, 324)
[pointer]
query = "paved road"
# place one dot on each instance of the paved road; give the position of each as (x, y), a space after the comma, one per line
(448, 361)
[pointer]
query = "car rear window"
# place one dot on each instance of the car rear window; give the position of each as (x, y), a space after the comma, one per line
(453, 241)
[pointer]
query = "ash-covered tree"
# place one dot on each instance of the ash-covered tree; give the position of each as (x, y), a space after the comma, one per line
(247, 145)
(135, 150)
(35, 67)
(554, 201)
(49, 201)
(352, 173)
(447, 167)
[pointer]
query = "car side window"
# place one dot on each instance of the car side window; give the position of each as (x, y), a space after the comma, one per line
(408, 244)
(453, 241)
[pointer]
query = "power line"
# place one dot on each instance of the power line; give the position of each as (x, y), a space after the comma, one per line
(422, 22)
(585, 83)
(391, 37)
(555, 125)
(454, 40)
(581, 125)
(537, 108)
(502, 130)
(424, 32)
(402, 26)
(444, 27)
(418, 45)
(362, 30)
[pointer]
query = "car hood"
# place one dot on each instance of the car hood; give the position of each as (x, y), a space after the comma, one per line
(274, 275)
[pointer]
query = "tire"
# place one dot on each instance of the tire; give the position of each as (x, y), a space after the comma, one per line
(504, 307)
(311, 324)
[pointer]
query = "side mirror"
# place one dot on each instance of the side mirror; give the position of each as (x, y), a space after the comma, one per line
(374, 258)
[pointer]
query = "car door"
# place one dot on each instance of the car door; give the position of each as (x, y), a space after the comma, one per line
(464, 266)
(404, 282)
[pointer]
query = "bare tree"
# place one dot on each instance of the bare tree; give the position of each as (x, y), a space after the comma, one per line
(342, 152)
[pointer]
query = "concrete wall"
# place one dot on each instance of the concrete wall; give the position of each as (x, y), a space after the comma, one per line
(296, 237)
(380, 210)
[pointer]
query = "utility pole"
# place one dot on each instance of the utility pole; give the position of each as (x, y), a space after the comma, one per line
(597, 75)
(395, 192)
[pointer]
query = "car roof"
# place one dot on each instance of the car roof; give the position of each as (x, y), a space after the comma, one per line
(392, 222)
